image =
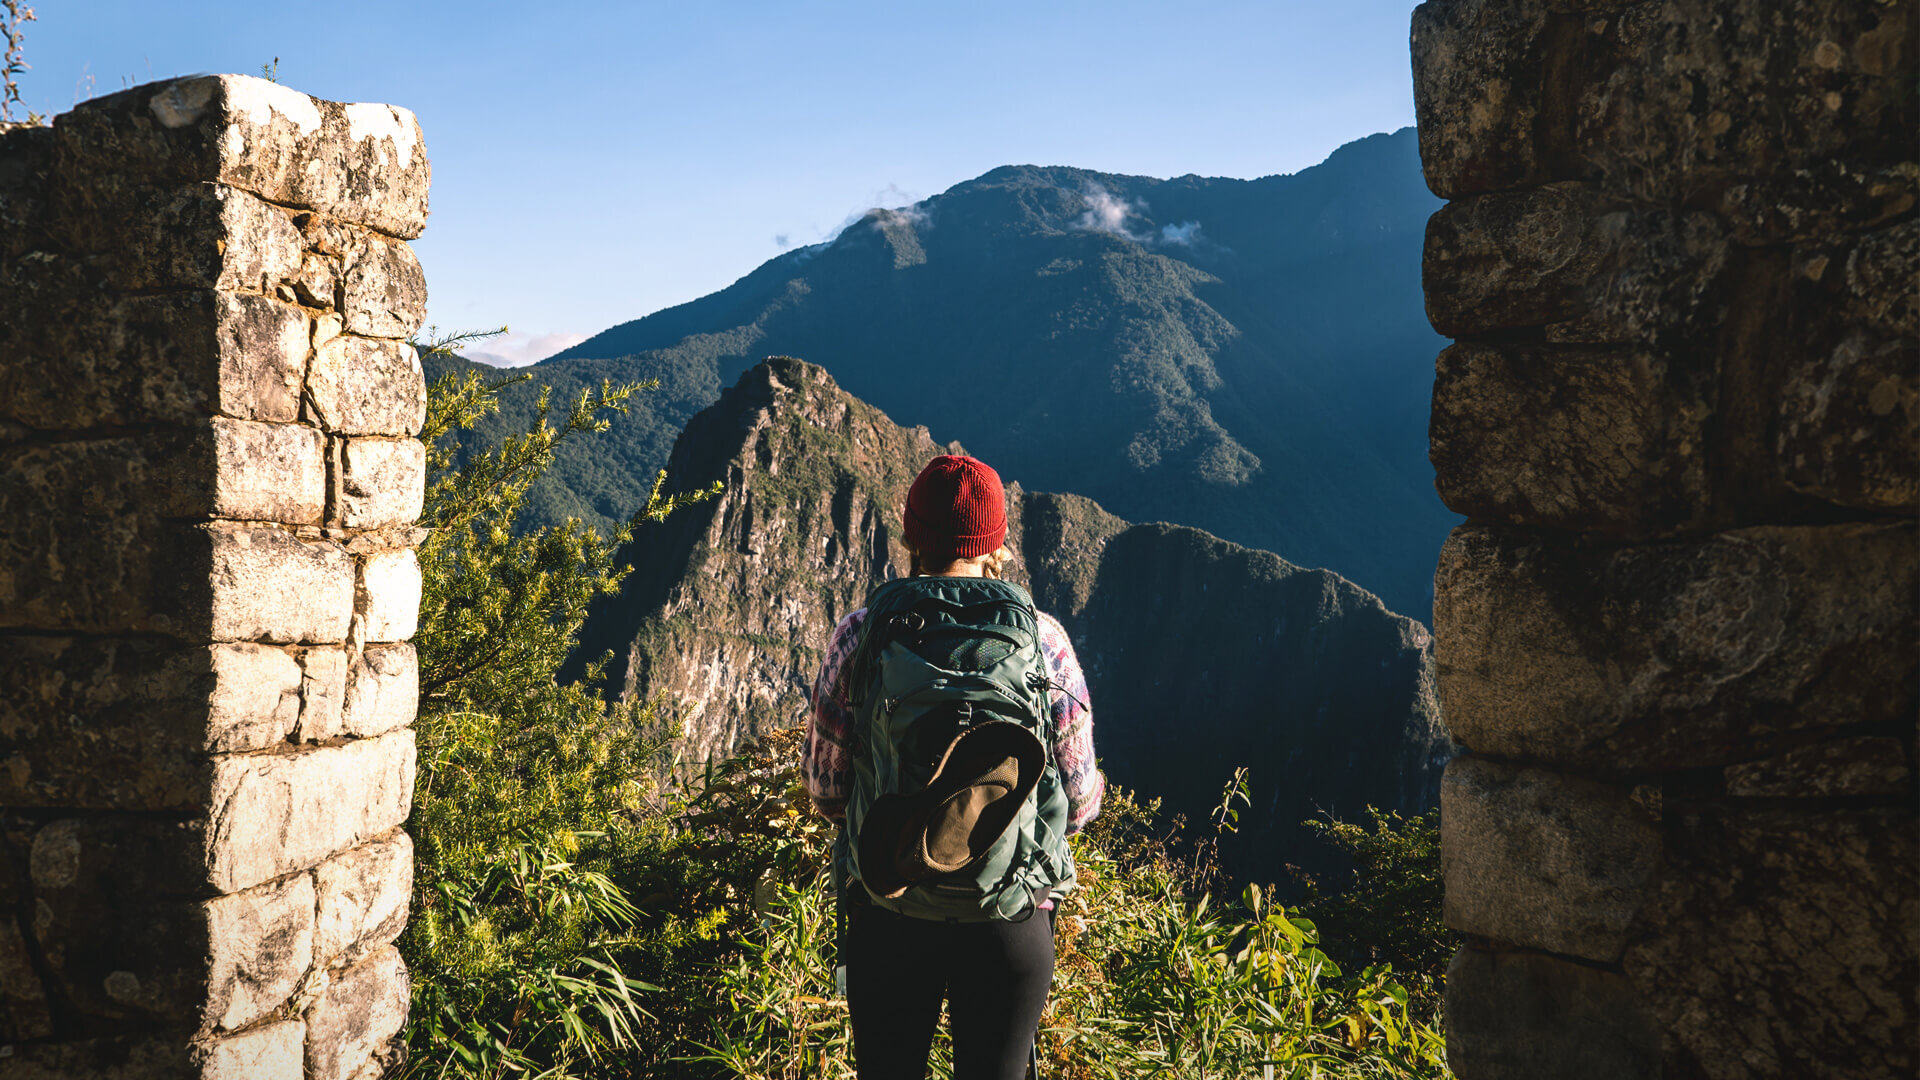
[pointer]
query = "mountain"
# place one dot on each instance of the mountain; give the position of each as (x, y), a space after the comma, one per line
(1250, 357)
(1201, 655)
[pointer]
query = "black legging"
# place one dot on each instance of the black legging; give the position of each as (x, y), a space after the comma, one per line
(994, 975)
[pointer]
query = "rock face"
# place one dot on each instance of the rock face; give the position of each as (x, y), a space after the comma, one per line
(208, 479)
(1200, 655)
(1677, 634)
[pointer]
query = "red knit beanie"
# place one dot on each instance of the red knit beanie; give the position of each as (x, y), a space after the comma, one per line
(956, 509)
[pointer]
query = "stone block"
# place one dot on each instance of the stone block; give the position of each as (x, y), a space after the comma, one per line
(1525, 1015)
(1576, 265)
(382, 482)
(1678, 655)
(72, 861)
(79, 534)
(105, 724)
(127, 724)
(122, 1057)
(388, 596)
(23, 999)
(361, 163)
(273, 814)
(383, 690)
(1665, 284)
(261, 945)
(362, 898)
(1797, 113)
(317, 283)
(275, 1051)
(87, 358)
(1862, 766)
(1513, 258)
(193, 236)
(268, 585)
(87, 523)
(1783, 943)
(1601, 440)
(268, 1052)
(1478, 66)
(117, 941)
(1543, 860)
(256, 697)
(363, 1009)
(267, 472)
(259, 349)
(1847, 428)
(367, 386)
(383, 293)
(26, 155)
(323, 694)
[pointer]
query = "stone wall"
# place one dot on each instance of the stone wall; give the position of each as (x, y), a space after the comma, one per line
(208, 481)
(1677, 632)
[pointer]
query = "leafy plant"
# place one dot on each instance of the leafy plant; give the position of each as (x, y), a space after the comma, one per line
(13, 17)
(530, 792)
(1387, 909)
(1149, 981)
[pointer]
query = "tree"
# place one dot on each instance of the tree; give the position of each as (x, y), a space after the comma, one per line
(530, 791)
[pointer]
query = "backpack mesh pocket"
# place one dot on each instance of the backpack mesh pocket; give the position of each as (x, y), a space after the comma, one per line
(962, 649)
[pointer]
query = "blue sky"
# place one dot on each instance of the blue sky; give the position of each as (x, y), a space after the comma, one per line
(594, 162)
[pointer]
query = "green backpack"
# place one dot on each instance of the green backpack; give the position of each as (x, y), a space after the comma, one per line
(949, 684)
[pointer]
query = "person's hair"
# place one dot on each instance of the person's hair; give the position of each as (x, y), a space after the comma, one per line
(991, 564)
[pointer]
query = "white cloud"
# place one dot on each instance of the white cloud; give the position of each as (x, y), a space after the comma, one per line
(888, 206)
(1107, 213)
(1186, 234)
(903, 215)
(517, 348)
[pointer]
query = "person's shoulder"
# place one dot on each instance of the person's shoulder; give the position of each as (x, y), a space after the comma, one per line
(1051, 629)
(849, 624)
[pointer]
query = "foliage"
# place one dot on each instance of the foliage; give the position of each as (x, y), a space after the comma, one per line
(1388, 909)
(529, 792)
(572, 917)
(1150, 981)
(13, 17)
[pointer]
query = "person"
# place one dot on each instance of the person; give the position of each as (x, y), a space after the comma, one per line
(993, 974)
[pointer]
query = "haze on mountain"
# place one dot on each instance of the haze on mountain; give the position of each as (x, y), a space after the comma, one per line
(1250, 357)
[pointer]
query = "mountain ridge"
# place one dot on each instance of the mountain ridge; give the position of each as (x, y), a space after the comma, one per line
(1247, 357)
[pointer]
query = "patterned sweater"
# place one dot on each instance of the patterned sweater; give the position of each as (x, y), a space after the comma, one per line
(827, 758)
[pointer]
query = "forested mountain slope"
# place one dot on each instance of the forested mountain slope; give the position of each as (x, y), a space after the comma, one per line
(1250, 357)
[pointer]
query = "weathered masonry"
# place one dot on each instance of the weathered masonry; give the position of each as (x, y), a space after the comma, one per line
(208, 482)
(1677, 634)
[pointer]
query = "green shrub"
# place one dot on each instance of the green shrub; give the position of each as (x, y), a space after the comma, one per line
(1387, 910)
(530, 793)
(1149, 981)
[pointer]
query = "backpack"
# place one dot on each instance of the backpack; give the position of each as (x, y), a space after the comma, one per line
(939, 657)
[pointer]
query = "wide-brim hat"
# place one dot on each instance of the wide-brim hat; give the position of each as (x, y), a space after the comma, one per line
(984, 777)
